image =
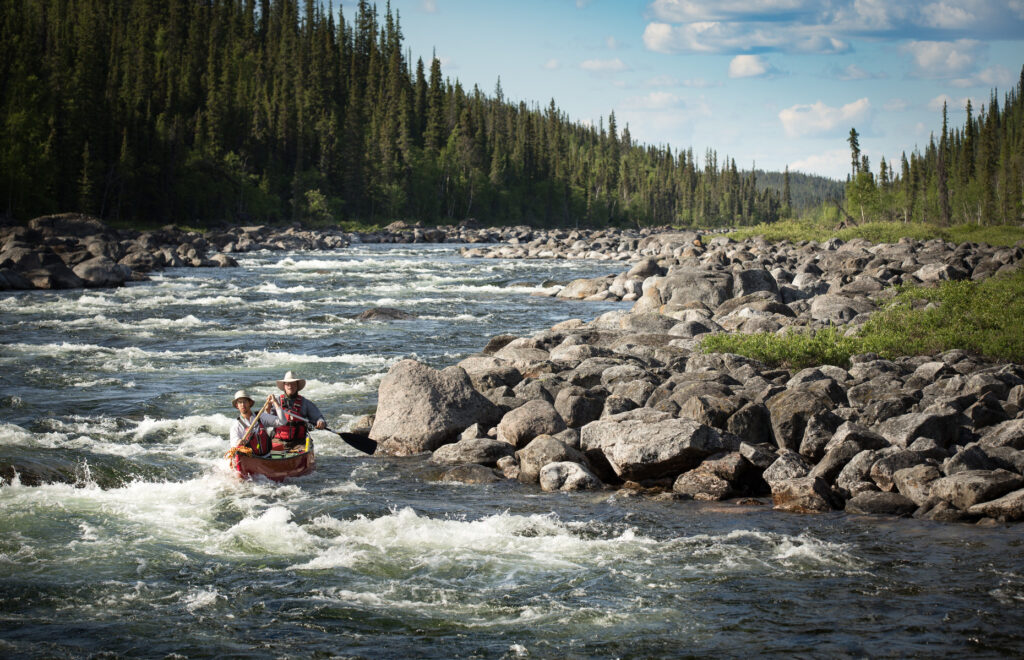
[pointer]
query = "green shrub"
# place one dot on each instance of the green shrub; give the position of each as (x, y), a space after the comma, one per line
(985, 318)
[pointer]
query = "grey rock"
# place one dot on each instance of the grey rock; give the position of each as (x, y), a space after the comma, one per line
(790, 412)
(965, 489)
(102, 272)
(534, 418)
(788, 466)
(876, 503)
(838, 309)
(751, 423)
(915, 482)
(470, 474)
(639, 450)
(1008, 508)
(855, 477)
(702, 485)
(971, 457)
(420, 408)
(577, 406)
(904, 429)
(539, 452)
(1007, 434)
(884, 468)
(567, 476)
(802, 495)
(482, 451)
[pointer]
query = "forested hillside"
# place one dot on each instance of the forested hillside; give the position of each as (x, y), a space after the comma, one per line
(973, 174)
(264, 110)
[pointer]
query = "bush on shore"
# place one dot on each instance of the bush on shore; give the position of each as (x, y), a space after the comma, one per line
(985, 318)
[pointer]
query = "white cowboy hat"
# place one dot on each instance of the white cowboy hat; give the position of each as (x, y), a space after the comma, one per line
(289, 377)
(241, 394)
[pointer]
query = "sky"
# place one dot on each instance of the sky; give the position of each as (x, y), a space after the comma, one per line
(769, 83)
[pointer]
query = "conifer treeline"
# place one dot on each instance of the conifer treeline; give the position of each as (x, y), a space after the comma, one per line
(256, 110)
(973, 174)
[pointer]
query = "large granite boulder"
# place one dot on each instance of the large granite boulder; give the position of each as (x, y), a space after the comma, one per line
(539, 452)
(638, 450)
(482, 451)
(567, 476)
(965, 489)
(419, 408)
(534, 418)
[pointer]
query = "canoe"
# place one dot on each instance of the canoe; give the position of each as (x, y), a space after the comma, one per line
(277, 465)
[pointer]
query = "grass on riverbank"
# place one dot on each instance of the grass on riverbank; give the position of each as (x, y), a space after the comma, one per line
(985, 318)
(821, 226)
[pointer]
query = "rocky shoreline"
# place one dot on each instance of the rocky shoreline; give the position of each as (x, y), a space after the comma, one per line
(72, 250)
(628, 401)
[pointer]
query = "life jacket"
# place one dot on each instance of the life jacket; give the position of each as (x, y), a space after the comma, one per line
(259, 439)
(295, 429)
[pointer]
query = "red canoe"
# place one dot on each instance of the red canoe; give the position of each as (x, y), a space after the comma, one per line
(277, 465)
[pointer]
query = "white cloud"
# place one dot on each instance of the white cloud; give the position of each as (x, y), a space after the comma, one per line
(430, 6)
(748, 26)
(603, 66)
(896, 105)
(834, 163)
(748, 66)
(945, 16)
(995, 76)
(611, 42)
(944, 59)
(552, 64)
(952, 104)
(818, 118)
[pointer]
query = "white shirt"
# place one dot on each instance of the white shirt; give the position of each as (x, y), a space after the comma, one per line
(240, 426)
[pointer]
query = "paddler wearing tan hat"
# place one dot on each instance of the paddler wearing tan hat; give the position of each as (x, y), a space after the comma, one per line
(259, 439)
(293, 432)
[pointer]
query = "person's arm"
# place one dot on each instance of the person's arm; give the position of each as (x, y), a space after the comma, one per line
(313, 414)
(237, 431)
(276, 418)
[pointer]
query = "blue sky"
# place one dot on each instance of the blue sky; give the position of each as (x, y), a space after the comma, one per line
(771, 82)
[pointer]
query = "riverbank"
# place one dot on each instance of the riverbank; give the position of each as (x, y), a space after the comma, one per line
(631, 401)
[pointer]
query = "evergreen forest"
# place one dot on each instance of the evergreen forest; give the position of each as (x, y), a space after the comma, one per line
(968, 175)
(202, 111)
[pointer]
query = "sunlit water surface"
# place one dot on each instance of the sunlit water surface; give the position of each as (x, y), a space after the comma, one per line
(159, 549)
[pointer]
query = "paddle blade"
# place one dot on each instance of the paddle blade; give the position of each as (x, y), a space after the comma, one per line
(360, 442)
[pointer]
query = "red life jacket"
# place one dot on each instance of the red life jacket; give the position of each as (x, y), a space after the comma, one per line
(295, 429)
(259, 439)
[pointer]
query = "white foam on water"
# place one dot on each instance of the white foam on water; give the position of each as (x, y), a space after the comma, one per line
(741, 551)
(517, 543)
(271, 287)
(272, 531)
(267, 358)
(197, 599)
(15, 436)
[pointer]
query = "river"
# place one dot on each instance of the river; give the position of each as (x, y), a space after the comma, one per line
(158, 550)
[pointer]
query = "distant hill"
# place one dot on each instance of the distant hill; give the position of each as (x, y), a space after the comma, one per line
(806, 190)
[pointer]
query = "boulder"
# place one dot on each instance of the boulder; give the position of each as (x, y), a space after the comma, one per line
(855, 477)
(788, 466)
(1007, 434)
(702, 485)
(419, 408)
(838, 309)
(802, 495)
(482, 451)
(890, 504)
(1008, 508)
(567, 476)
(904, 429)
(539, 452)
(915, 482)
(532, 419)
(965, 489)
(102, 272)
(384, 314)
(638, 450)
(790, 411)
(470, 474)
(577, 407)
(884, 469)
(695, 285)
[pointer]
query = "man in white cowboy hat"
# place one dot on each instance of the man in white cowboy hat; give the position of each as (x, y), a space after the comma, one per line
(259, 439)
(296, 406)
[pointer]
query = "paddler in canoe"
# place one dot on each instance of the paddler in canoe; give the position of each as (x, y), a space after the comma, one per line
(262, 428)
(298, 412)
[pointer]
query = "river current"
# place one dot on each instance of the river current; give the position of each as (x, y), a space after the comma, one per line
(158, 550)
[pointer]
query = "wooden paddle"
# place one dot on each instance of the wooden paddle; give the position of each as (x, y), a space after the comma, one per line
(253, 424)
(354, 440)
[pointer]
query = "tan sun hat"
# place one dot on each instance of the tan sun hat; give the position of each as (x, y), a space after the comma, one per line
(289, 377)
(242, 394)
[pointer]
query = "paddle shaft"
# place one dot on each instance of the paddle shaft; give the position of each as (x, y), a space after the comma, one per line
(253, 424)
(360, 442)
